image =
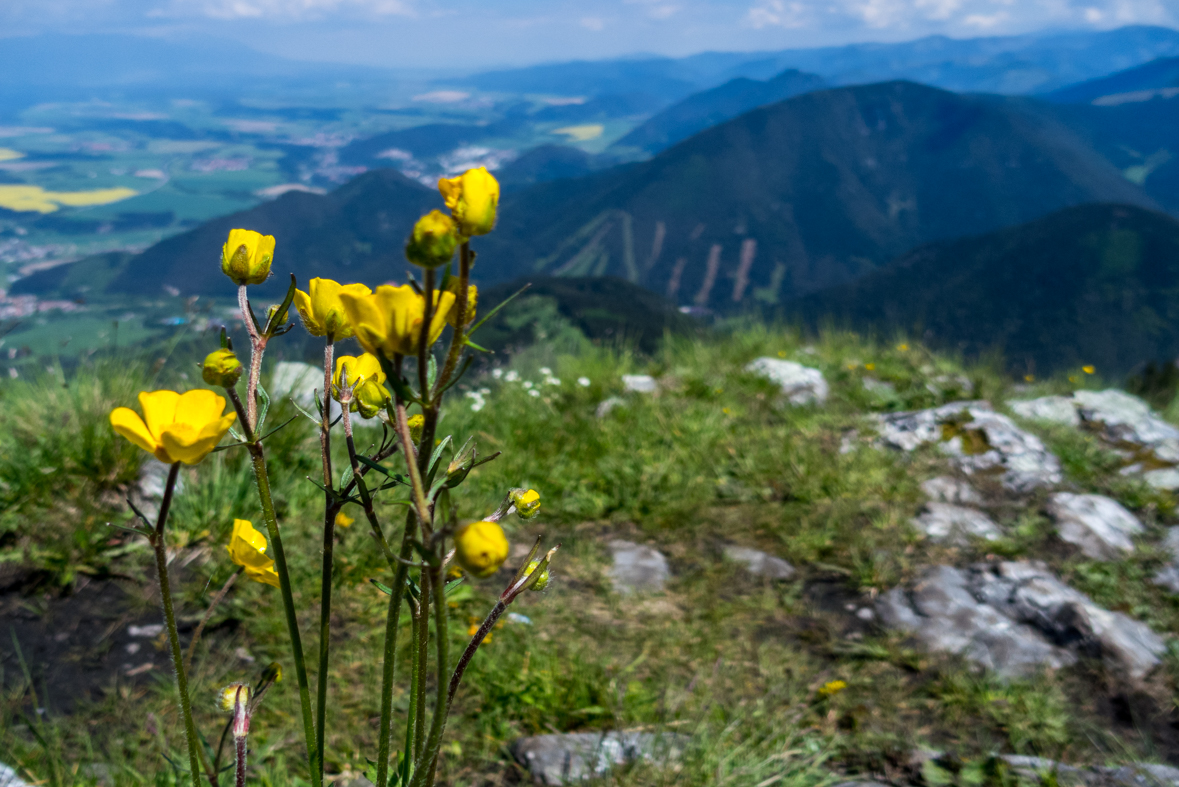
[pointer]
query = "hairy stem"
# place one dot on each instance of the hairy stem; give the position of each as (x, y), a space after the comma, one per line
(161, 551)
(472, 647)
(329, 540)
(424, 775)
(240, 761)
(392, 624)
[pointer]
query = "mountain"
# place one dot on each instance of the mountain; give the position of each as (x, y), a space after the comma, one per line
(545, 163)
(1093, 284)
(805, 194)
(1036, 62)
(1158, 77)
(355, 233)
(710, 107)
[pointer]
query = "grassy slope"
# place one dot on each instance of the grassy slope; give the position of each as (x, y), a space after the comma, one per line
(735, 662)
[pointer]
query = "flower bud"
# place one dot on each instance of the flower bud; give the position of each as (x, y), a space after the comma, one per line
(473, 200)
(246, 256)
(231, 695)
(416, 423)
(526, 501)
(433, 241)
(481, 548)
(370, 398)
(221, 368)
(542, 581)
(274, 317)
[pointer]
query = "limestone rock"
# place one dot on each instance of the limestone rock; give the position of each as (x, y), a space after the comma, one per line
(943, 615)
(944, 489)
(1053, 409)
(1168, 575)
(759, 563)
(577, 756)
(639, 383)
(1014, 617)
(979, 439)
(637, 568)
(953, 524)
(299, 382)
(1128, 419)
(9, 777)
(800, 384)
(148, 492)
(1164, 478)
(1100, 526)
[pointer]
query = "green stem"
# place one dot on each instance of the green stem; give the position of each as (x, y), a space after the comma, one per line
(392, 623)
(420, 657)
(258, 456)
(424, 771)
(158, 544)
(460, 323)
(329, 540)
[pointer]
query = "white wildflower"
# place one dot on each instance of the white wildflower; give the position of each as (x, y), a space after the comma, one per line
(497, 373)
(512, 376)
(584, 382)
(534, 392)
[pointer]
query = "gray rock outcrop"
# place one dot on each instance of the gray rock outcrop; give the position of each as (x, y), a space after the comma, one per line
(800, 384)
(760, 564)
(1099, 525)
(946, 523)
(980, 441)
(1168, 575)
(637, 568)
(944, 489)
(577, 756)
(1014, 617)
(639, 383)
(1053, 409)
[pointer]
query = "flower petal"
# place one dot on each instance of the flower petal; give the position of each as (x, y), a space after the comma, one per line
(198, 407)
(159, 410)
(128, 423)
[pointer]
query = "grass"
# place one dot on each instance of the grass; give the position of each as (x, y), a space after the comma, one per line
(731, 662)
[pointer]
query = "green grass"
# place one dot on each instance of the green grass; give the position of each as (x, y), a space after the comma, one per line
(732, 662)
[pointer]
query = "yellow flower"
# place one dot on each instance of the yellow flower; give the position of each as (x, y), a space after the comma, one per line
(1088, 369)
(175, 427)
(321, 310)
(390, 319)
(472, 302)
(343, 520)
(481, 548)
(527, 502)
(247, 548)
(542, 581)
(433, 241)
(473, 198)
(1030, 378)
(832, 687)
(246, 256)
(221, 368)
(870, 366)
(903, 348)
(365, 376)
(229, 696)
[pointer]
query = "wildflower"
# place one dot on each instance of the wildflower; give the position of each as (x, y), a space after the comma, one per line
(343, 520)
(246, 256)
(231, 695)
(478, 402)
(1029, 378)
(433, 240)
(512, 376)
(221, 368)
(781, 353)
(322, 311)
(534, 392)
(870, 366)
(546, 371)
(497, 373)
(175, 427)
(416, 423)
(831, 688)
(726, 411)
(365, 377)
(526, 501)
(1087, 369)
(472, 302)
(473, 199)
(584, 382)
(903, 348)
(389, 320)
(527, 384)
(247, 548)
(481, 548)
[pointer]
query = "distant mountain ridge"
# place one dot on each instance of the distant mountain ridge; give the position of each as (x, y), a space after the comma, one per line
(1092, 284)
(1140, 83)
(806, 194)
(709, 107)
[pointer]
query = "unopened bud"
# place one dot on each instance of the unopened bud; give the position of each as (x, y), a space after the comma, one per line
(221, 368)
(526, 501)
(542, 580)
(416, 423)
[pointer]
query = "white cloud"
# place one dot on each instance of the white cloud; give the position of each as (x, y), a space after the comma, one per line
(778, 13)
(286, 10)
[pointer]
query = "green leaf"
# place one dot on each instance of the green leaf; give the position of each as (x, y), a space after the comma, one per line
(495, 311)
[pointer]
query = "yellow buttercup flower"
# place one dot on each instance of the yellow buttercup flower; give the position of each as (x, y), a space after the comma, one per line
(321, 310)
(389, 320)
(481, 548)
(343, 520)
(175, 427)
(247, 548)
(416, 423)
(246, 256)
(472, 302)
(473, 200)
(221, 368)
(832, 687)
(365, 376)
(433, 241)
(1088, 369)
(231, 695)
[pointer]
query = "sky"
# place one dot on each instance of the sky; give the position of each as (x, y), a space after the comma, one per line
(488, 33)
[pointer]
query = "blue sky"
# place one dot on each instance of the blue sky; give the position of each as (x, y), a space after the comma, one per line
(465, 33)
